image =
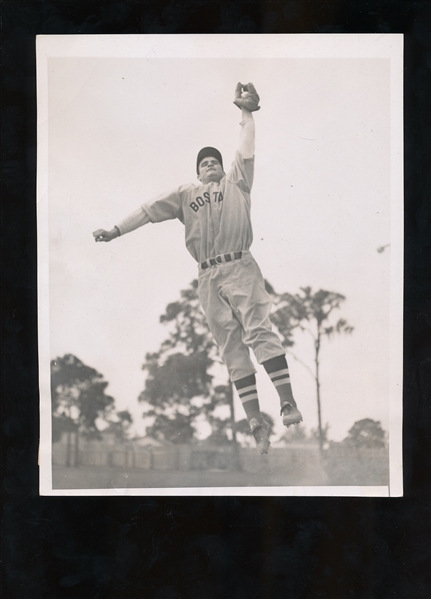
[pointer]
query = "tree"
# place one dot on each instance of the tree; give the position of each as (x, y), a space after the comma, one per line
(121, 425)
(78, 397)
(365, 433)
(179, 387)
(311, 313)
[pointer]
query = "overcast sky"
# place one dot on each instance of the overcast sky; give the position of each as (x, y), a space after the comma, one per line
(122, 130)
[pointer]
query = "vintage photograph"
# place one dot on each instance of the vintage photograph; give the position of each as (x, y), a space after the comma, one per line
(220, 264)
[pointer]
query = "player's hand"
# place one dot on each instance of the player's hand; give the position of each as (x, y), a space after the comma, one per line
(102, 235)
(246, 97)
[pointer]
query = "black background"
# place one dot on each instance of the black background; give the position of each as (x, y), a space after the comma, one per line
(240, 548)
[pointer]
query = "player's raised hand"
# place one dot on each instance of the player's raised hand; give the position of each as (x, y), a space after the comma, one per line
(246, 97)
(102, 235)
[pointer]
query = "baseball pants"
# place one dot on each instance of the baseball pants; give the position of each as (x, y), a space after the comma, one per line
(237, 308)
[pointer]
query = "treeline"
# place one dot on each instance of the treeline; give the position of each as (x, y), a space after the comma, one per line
(184, 386)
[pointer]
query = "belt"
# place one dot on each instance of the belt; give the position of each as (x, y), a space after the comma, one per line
(222, 258)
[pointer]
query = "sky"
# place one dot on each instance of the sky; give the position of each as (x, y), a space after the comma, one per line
(121, 130)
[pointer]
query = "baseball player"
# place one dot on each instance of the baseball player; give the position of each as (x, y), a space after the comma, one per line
(218, 234)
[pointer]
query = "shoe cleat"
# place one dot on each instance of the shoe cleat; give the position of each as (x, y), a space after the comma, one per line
(291, 414)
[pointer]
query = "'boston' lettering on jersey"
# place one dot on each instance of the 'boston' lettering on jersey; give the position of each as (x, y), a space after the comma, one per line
(218, 197)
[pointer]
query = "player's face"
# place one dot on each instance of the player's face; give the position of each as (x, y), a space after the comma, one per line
(210, 170)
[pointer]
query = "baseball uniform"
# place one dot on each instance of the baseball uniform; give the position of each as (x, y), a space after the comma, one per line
(218, 234)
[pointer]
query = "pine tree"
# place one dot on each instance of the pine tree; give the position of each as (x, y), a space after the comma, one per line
(311, 313)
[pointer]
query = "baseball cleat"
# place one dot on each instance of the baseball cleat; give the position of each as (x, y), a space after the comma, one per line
(260, 432)
(291, 414)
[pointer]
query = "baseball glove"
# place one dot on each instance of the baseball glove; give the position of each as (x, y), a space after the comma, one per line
(246, 97)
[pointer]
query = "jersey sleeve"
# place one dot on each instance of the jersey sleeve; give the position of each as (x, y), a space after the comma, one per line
(242, 172)
(133, 221)
(166, 206)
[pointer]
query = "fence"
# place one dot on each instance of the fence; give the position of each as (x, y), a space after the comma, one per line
(337, 465)
(298, 461)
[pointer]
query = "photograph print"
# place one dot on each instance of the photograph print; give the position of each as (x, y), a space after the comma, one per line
(220, 243)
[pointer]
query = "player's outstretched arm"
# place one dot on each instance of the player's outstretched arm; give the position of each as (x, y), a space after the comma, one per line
(102, 235)
(247, 99)
(136, 219)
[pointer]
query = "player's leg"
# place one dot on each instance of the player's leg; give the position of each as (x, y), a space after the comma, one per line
(247, 391)
(278, 372)
(228, 334)
(246, 290)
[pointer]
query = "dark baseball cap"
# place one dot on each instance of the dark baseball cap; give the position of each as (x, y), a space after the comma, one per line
(205, 153)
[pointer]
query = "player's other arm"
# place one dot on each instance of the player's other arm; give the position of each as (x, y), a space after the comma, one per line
(164, 207)
(247, 99)
(136, 219)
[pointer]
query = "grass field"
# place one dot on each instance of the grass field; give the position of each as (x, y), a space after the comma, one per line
(91, 477)
(297, 467)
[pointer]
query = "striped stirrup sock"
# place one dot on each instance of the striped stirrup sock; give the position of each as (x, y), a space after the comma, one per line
(247, 392)
(278, 371)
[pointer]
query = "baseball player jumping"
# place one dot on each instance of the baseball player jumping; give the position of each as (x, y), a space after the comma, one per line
(218, 232)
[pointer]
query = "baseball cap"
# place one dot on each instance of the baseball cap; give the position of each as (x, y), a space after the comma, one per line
(208, 151)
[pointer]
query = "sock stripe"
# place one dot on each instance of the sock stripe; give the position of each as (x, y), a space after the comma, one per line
(248, 398)
(285, 381)
(280, 378)
(279, 372)
(247, 393)
(246, 390)
(247, 381)
(275, 364)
